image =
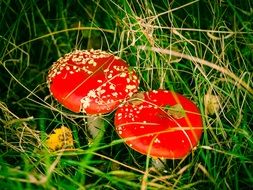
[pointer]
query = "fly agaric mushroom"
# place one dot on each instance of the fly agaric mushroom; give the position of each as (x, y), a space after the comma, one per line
(91, 81)
(161, 124)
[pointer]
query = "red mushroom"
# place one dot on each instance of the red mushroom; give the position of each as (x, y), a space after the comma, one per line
(91, 81)
(161, 124)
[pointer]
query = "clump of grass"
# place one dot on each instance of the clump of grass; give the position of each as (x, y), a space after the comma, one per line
(193, 48)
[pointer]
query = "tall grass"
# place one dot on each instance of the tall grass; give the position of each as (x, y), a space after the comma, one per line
(193, 47)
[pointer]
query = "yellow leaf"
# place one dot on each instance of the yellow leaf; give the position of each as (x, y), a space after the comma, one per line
(61, 138)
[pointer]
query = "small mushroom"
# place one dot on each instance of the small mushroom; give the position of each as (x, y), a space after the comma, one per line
(93, 82)
(164, 125)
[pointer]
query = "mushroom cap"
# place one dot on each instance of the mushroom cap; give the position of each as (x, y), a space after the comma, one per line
(163, 124)
(91, 81)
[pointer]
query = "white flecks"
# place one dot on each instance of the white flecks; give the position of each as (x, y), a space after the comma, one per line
(78, 69)
(120, 132)
(130, 145)
(130, 94)
(92, 62)
(141, 107)
(85, 102)
(157, 140)
(119, 116)
(92, 94)
(89, 72)
(119, 128)
(130, 87)
(100, 92)
(78, 57)
(99, 81)
(116, 57)
(99, 89)
(123, 75)
(109, 76)
(120, 68)
(112, 87)
(115, 94)
(135, 77)
(155, 91)
(142, 127)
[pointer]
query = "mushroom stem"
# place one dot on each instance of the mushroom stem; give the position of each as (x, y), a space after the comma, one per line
(159, 164)
(94, 125)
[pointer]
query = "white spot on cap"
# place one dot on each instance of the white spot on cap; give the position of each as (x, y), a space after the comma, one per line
(130, 94)
(157, 140)
(119, 115)
(100, 92)
(92, 62)
(119, 128)
(112, 87)
(123, 75)
(115, 94)
(92, 94)
(130, 87)
(85, 102)
(109, 76)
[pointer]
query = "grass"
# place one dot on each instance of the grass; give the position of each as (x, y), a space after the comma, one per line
(195, 48)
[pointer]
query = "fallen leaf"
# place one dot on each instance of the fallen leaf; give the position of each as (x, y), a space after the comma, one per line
(61, 138)
(212, 103)
(177, 111)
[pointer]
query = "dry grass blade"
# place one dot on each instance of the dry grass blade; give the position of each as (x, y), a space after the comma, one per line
(202, 62)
